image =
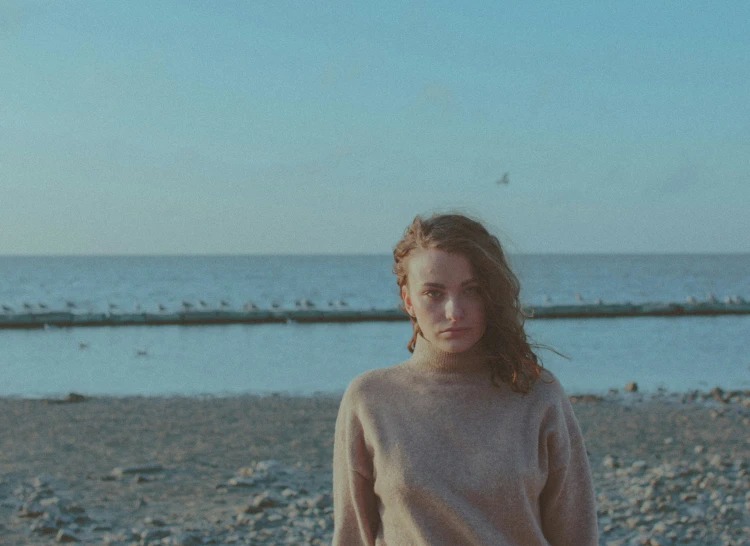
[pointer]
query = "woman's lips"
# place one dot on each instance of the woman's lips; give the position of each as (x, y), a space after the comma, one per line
(454, 330)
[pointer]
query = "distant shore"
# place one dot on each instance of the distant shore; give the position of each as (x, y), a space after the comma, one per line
(668, 467)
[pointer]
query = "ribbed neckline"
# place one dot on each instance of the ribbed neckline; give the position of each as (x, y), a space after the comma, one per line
(430, 360)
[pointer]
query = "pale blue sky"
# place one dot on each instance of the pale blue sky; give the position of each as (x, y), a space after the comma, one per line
(146, 127)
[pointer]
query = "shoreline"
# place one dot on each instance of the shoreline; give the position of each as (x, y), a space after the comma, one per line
(253, 469)
(625, 395)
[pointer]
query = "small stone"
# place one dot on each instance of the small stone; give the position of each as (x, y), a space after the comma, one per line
(265, 500)
(67, 507)
(42, 480)
(139, 469)
(716, 461)
(50, 501)
(187, 539)
(265, 466)
(638, 465)
(718, 394)
(321, 500)
(241, 481)
(250, 509)
(45, 526)
(74, 398)
(66, 536)
(30, 510)
(152, 535)
(610, 462)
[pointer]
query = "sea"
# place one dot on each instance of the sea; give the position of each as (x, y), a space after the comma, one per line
(677, 354)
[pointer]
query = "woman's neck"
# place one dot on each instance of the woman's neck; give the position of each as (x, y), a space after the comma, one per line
(430, 359)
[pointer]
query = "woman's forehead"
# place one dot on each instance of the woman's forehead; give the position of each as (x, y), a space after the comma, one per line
(435, 265)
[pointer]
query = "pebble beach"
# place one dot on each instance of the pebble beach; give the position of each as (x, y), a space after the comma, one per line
(668, 469)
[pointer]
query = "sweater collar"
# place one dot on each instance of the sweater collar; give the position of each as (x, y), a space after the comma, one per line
(429, 359)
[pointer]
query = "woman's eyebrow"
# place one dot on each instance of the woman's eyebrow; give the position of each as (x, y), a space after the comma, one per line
(438, 285)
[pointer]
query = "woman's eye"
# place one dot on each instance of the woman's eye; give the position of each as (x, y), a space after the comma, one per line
(432, 293)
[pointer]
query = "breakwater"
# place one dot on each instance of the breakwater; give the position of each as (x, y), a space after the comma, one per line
(257, 316)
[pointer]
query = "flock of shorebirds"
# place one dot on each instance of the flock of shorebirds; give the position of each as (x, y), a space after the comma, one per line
(185, 306)
(303, 303)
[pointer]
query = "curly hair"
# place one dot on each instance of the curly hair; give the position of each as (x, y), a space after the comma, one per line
(513, 360)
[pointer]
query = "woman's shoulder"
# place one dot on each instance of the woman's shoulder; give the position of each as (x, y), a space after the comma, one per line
(372, 383)
(547, 389)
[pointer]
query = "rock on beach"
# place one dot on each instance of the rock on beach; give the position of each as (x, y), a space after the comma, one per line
(668, 469)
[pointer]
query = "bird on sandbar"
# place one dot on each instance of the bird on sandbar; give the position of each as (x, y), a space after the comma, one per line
(42, 305)
(202, 303)
(690, 299)
(161, 307)
(7, 308)
(187, 305)
(28, 306)
(504, 180)
(249, 306)
(224, 303)
(70, 305)
(578, 296)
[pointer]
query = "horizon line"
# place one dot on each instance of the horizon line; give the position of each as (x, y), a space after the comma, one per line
(340, 254)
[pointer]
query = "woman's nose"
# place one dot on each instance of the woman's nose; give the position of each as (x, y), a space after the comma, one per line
(453, 309)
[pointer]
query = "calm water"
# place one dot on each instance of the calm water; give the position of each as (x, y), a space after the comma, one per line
(676, 353)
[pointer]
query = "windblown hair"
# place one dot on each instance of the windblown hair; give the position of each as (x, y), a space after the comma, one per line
(513, 360)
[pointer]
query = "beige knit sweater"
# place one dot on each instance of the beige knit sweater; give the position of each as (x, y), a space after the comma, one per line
(430, 452)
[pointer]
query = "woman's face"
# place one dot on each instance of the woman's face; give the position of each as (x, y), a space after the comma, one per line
(444, 296)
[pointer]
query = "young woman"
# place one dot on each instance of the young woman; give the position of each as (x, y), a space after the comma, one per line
(469, 441)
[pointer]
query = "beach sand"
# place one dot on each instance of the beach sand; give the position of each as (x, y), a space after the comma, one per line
(257, 469)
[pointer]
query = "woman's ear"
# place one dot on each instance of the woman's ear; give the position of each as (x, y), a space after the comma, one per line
(407, 301)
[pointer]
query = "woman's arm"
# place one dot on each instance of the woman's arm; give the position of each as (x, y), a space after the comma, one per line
(567, 503)
(355, 506)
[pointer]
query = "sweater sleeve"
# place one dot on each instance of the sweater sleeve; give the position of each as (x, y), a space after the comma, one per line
(355, 506)
(567, 503)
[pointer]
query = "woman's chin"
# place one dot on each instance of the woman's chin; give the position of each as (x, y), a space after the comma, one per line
(455, 345)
